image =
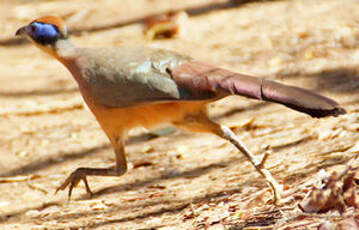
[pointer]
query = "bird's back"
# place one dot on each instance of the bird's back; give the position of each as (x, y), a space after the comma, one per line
(133, 75)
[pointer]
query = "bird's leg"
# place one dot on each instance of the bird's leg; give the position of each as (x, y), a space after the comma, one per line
(201, 123)
(81, 173)
(227, 134)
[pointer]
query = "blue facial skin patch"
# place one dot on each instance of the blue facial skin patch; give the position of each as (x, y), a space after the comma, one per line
(44, 34)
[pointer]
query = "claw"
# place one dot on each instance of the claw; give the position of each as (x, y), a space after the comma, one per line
(73, 180)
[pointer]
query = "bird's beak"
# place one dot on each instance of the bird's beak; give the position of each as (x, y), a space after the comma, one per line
(22, 31)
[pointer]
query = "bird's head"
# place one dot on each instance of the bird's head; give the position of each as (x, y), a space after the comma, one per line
(45, 32)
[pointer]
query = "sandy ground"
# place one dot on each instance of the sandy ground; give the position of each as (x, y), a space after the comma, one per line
(181, 180)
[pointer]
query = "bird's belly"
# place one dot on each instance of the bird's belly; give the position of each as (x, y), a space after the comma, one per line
(117, 120)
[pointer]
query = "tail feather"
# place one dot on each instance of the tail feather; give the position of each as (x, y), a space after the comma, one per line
(201, 79)
(300, 99)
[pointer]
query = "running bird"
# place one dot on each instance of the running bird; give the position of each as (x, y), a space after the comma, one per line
(130, 86)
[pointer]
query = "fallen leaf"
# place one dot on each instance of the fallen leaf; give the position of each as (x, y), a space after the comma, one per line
(337, 193)
(165, 25)
(142, 164)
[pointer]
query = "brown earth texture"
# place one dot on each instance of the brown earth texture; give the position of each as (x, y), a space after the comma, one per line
(183, 180)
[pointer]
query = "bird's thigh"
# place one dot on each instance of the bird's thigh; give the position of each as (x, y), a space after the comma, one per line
(197, 123)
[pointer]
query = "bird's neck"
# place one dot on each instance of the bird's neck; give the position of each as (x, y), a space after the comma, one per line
(64, 49)
(65, 52)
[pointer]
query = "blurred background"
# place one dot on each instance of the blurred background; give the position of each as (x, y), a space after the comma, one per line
(183, 180)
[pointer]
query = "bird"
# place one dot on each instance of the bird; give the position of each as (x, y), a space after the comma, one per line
(133, 85)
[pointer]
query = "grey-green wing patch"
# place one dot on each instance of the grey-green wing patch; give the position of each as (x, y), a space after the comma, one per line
(131, 76)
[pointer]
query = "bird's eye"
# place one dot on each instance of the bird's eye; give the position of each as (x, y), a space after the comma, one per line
(33, 28)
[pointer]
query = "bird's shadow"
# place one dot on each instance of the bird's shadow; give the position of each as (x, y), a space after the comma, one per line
(39, 92)
(337, 81)
(173, 205)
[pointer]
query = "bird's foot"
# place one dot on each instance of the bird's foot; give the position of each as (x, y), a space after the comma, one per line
(258, 164)
(73, 180)
(275, 186)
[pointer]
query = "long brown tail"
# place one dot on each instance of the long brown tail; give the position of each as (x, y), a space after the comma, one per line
(200, 78)
(300, 99)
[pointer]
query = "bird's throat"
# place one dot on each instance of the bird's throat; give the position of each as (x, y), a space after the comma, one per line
(64, 49)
